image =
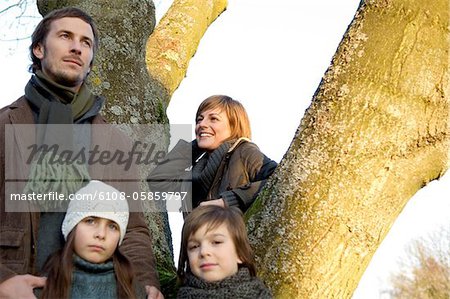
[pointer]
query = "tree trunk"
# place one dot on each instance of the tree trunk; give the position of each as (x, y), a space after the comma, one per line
(133, 95)
(376, 132)
(119, 72)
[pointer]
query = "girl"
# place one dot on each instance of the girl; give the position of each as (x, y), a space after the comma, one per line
(216, 260)
(90, 264)
(221, 166)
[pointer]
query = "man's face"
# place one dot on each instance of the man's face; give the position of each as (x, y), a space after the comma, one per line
(67, 52)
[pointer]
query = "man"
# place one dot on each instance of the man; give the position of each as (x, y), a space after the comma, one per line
(62, 51)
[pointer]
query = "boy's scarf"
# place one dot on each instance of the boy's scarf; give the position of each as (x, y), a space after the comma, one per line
(240, 285)
(56, 105)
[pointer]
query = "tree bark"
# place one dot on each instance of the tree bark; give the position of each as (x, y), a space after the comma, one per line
(119, 72)
(135, 95)
(176, 39)
(132, 96)
(376, 132)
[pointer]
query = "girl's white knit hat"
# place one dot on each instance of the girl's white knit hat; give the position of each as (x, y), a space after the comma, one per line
(99, 200)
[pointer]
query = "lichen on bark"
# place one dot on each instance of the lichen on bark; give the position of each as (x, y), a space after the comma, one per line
(135, 95)
(119, 72)
(132, 96)
(376, 132)
(176, 38)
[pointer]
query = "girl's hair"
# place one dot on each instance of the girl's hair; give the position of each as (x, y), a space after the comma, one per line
(214, 216)
(59, 267)
(237, 116)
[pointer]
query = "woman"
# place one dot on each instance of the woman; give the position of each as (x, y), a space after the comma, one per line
(223, 165)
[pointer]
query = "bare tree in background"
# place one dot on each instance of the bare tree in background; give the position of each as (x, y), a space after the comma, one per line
(17, 16)
(21, 4)
(425, 271)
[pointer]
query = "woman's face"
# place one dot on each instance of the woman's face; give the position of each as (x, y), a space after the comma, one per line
(211, 129)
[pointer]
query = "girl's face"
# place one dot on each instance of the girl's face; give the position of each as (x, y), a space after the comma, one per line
(211, 129)
(212, 255)
(96, 239)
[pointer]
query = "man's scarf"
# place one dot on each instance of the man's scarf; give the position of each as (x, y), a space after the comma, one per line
(57, 108)
(57, 104)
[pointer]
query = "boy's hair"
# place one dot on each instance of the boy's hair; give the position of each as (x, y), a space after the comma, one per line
(41, 31)
(237, 116)
(212, 217)
(59, 268)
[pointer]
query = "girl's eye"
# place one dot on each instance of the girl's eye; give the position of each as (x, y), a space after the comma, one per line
(113, 226)
(217, 242)
(198, 120)
(89, 220)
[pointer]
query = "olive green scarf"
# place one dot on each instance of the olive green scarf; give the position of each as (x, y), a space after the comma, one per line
(56, 105)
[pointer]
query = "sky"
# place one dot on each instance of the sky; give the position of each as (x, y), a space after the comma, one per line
(262, 52)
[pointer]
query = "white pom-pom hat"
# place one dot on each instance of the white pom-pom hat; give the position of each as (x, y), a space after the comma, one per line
(97, 199)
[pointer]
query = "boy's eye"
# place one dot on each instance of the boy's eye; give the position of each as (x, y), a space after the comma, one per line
(192, 246)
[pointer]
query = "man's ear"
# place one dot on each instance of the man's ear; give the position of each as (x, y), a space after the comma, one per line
(38, 51)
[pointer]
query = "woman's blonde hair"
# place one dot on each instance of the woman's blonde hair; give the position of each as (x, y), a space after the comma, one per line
(237, 116)
(213, 217)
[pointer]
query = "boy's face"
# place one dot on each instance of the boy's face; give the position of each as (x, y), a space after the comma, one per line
(212, 255)
(96, 239)
(67, 52)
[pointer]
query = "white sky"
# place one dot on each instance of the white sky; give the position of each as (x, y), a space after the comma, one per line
(262, 52)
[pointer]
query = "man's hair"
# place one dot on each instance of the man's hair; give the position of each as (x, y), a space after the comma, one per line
(237, 116)
(41, 31)
(214, 216)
